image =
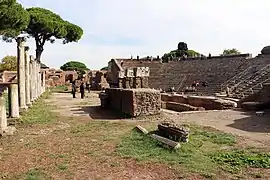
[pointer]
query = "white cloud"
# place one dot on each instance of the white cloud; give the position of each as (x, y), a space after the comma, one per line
(207, 26)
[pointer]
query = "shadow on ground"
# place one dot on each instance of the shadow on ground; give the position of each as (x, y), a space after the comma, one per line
(253, 122)
(98, 113)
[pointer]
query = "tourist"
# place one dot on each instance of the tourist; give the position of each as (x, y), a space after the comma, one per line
(82, 88)
(73, 90)
(88, 87)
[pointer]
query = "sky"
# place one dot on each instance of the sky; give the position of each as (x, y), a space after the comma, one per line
(121, 28)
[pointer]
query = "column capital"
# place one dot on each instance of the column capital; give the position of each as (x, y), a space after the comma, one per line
(20, 41)
(26, 48)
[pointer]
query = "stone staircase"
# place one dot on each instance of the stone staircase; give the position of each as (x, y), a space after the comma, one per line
(218, 73)
(250, 83)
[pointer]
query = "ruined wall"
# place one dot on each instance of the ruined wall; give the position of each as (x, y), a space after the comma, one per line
(98, 80)
(206, 102)
(9, 76)
(54, 77)
(179, 74)
(134, 102)
(70, 76)
(262, 96)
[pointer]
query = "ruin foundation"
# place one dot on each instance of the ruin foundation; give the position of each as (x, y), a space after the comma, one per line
(134, 102)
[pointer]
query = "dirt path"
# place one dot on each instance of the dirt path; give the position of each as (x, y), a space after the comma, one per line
(247, 125)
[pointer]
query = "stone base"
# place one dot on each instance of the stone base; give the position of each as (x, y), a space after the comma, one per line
(9, 131)
(134, 102)
(179, 107)
(23, 109)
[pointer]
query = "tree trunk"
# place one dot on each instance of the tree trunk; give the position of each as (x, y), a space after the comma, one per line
(38, 54)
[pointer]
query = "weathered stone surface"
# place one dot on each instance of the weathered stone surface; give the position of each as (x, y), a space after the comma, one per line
(266, 50)
(134, 102)
(251, 106)
(166, 97)
(174, 131)
(129, 73)
(180, 107)
(206, 102)
(180, 99)
(9, 131)
(210, 103)
(142, 72)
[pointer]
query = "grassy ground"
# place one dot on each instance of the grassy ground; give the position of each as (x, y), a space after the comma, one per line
(49, 146)
(207, 150)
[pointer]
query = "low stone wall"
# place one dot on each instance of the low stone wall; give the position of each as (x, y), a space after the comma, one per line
(180, 107)
(206, 102)
(134, 102)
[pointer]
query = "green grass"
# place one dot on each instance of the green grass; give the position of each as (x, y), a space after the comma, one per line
(39, 112)
(204, 153)
(233, 161)
(36, 174)
(62, 88)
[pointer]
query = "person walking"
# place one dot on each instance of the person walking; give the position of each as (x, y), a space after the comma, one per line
(88, 87)
(73, 90)
(82, 88)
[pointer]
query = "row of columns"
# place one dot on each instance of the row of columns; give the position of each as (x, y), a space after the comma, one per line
(29, 87)
(30, 84)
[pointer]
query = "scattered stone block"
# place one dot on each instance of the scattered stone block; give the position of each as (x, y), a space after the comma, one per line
(174, 131)
(134, 102)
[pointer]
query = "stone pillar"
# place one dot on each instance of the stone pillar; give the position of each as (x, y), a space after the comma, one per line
(43, 81)
(13, 101)
(27, 77)
(21, 72)
(35, 79)
(39, 79)
(3, 115)
(31, 79)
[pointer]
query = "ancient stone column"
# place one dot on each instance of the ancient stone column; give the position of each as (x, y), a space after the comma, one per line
(3, 115)
(35, 79)
(27, 77)
(21, 72)
(31, 78)
(39, 79)
(43, 81)
(13, 101)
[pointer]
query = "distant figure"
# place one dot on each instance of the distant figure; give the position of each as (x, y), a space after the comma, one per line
(209, 56)
(82, 90)
(204, 84)
(227, 91)
(88, 87)
(73, 90)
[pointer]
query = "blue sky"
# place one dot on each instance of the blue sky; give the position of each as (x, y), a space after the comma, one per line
(119, 28)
